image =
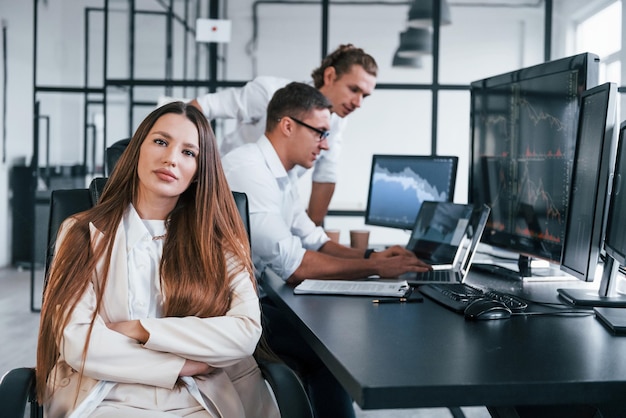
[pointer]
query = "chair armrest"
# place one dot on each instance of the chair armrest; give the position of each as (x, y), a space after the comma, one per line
(290, 395)
(17, 388)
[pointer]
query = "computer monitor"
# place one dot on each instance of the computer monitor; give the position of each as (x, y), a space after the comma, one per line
(614, 240)
(588, 198)
(615, 237)
(400, 183)
(523, 135)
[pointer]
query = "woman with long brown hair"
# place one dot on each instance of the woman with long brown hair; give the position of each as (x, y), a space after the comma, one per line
(151, 306)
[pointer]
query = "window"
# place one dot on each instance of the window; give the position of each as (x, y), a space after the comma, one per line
(601, 33)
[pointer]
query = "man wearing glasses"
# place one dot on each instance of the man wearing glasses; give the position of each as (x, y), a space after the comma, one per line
(345, 77)
(286, 240)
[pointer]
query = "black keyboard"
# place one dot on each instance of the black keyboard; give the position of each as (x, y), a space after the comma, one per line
(456, 296)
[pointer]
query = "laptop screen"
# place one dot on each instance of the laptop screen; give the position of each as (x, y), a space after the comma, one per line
(472, 237)
(439, 231)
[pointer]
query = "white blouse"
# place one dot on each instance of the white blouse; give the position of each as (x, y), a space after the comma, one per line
(144, 247)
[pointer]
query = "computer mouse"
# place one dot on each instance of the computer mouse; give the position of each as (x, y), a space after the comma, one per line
(485, 308)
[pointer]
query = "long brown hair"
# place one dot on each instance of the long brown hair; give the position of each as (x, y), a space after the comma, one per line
(203, 230)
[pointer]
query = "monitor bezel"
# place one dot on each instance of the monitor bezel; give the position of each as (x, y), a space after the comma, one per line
(609, 248)
(454, 160)
(601, 195)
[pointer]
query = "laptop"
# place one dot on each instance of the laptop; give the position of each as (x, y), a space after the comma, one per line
(456, 244)
(438, 232)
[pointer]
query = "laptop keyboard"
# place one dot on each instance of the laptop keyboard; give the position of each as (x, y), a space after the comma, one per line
(456, 296)
(432, 276)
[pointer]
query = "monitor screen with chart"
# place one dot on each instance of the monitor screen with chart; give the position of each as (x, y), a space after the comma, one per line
(523, 135)
(400, 183)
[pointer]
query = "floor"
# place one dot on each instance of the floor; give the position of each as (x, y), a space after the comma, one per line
(18, 326)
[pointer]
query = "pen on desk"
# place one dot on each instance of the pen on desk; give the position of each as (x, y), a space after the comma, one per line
(397, 300)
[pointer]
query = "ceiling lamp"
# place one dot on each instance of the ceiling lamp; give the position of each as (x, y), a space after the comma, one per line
(415, 42)
(417, 39)
(406, 62)
(421, 13)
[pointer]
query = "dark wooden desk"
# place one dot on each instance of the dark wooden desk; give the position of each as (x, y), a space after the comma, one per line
(423, 355)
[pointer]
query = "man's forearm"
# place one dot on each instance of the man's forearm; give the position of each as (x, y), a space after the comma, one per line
(321, 194)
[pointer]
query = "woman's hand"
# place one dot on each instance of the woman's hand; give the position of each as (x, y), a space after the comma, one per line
(194, 368)
(132, 329)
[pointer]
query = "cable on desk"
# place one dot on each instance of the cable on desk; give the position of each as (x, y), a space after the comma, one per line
(572, 313)
(555, 305)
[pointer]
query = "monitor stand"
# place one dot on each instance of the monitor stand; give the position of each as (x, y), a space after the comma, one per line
(533, 274)
(524, 271)
(523, 264)
(606, 295)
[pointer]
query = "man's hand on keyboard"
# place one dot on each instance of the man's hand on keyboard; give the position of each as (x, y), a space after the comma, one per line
(395, 261)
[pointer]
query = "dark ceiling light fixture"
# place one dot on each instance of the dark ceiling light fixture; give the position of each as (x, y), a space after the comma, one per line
(421, 14)
(417, 40)
(406, 62)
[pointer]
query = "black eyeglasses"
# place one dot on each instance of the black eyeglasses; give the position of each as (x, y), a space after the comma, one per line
(323, 134)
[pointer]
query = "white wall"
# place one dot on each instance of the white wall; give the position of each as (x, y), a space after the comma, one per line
(479, 43)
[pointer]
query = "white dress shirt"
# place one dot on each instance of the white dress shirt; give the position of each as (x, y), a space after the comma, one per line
(145, 299)
(248, 104)
(280, 229)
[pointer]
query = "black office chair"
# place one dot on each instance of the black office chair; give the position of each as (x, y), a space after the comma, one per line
(17, 387)
(114, 152)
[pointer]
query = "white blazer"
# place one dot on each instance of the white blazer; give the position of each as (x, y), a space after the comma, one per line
(235, 389)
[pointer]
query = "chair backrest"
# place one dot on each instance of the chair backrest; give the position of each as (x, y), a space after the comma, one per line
(241, 200)
(63, 204)
(113, 153)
